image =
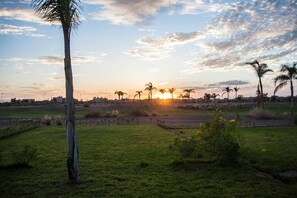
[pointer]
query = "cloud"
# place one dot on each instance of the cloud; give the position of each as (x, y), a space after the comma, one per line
(6, 29)
(229, 83)
(263, 30)
(159, 48)
(22, 14)
(127, 12)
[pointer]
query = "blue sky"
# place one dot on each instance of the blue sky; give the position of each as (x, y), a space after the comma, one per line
(124, 44)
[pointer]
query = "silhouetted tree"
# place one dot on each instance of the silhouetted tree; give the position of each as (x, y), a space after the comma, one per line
(207, 97)
(162, 91)
(261, 70)
(138, 93)
(149, 87)
(171, 90)
(236, 89)
(65, 12)
(227, 90)
(288, 75)
(120, 94)
(214, 95)
(188, 92)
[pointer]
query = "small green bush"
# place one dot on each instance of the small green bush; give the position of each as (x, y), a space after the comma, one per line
(138, 112)
(93, 114)
(217, 139)
(24, 157)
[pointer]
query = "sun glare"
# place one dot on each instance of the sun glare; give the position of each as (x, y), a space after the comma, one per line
(164, 96)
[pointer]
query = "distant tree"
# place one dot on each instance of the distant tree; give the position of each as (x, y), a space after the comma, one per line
(261, 70)
(65, 12)
(181, 96)
(207, 97)
(171, 90)
(214, 95)
(120, 94)
(288, 75)
(227, 90)
(188, 92)
(236, 89)
(138, 93)
(162, 91)
(149, 87)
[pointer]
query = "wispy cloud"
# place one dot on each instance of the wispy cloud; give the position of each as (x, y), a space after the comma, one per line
(19, 30)
(159, 48)
(22, 14)
(229, 83)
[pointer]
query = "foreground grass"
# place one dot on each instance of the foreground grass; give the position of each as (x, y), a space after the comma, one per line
(135, 161)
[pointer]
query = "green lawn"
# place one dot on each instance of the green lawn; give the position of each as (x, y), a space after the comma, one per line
(135, 161)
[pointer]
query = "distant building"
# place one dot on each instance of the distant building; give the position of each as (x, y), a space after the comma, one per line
(58, 99)
(99, 100)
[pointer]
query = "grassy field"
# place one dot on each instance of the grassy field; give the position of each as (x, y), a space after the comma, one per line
(124, 110)
(136, 161)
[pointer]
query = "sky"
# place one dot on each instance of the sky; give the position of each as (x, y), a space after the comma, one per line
(121, 45)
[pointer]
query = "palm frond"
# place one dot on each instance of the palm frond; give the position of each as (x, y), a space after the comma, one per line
(281, 78)
(281, 85)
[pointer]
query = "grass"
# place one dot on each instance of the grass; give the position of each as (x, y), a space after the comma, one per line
(135, 161)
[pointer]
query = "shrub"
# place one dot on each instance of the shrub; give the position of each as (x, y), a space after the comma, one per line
(217, 139)
(86, 105)
(138, 112)
(93, 114)
(24, 157)
(46, 120)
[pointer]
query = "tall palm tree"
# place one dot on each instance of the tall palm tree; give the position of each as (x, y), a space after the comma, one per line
(236, 89)
(288, 75)
(67, 13)
(261, 70)
(227, 90)
(188, 92)
(138, 93)
(171, 90)
(149, 87)
(120, 94)
(162, 91)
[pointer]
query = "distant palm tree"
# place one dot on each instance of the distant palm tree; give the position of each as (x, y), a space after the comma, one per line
(149, 87)
(288, 75)
(207, 97)
(120, 94)
(227, 90)
(162, 91)
(214, 95)
(138, 93)
(171, 90)
(188, 92)
(236, 89)
(261, 70)
(65, 12)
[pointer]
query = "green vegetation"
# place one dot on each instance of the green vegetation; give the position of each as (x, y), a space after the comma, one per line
(134, 161)
(10, 131)
(216, 139)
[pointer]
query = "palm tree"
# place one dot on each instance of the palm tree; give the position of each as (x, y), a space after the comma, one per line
(138, 93)
(188, 92)
(120, 94)
(214, 95)
(288, 75)
(261, 70)
(227, 90)
(236, 89)
(65, 12)
(171, 90)
(149, 87)
(207, 97)
(162, 91)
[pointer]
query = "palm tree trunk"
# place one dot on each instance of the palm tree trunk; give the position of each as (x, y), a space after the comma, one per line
(261, 94)
(72, 161)
(292, 97)
(138, 96)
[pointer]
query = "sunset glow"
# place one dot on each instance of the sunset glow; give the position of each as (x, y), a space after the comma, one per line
(197, 44)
